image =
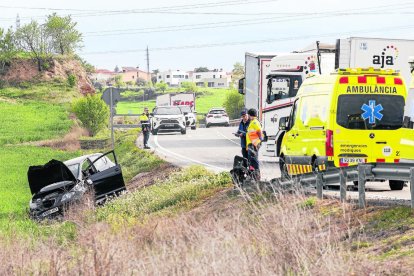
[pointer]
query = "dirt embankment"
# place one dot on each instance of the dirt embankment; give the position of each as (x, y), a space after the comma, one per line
(26, 70)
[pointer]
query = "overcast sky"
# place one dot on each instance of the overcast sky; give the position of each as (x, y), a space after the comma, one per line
(213, 33)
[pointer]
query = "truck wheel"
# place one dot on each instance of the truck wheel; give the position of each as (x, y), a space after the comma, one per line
(184, 131)
(396, 185)
(154, 132)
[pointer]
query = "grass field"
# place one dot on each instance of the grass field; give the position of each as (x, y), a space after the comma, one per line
(31, 121)
(14, 190)
(56, 91)
(209, 98)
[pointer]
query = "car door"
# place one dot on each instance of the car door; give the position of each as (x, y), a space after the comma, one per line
(109, 181)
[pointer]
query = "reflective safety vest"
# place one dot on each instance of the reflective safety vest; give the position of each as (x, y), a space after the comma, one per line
(145, 124)
(254, 133)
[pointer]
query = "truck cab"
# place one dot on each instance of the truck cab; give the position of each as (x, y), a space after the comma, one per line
(286, 75)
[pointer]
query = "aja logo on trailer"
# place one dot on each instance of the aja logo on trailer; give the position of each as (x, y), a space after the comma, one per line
(387, 58)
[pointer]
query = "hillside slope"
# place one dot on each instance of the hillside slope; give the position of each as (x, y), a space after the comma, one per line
(25, 70)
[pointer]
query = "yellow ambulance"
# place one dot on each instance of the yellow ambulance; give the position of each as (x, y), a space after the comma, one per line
(345, 118)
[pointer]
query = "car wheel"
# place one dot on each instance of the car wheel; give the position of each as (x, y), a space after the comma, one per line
(154, 132)
(184, 131)
(207, 125)
(193, 127)
(396, 185)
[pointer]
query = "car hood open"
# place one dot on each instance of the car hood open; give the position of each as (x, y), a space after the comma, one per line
(52, 172)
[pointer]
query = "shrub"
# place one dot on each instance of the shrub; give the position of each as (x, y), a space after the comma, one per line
(92, 112)
(161, 86)
(72, 80)
(189, 86)
(234, 104)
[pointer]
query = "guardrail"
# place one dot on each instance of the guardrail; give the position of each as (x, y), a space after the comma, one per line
(235, 122)
(361, 173)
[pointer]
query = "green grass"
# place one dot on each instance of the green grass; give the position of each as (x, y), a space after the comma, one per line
(397, 218)
(180, 191)
(14, 189)
(56, 91)
(132, 159)
(134, 107)
(207, 99)
(32, 121)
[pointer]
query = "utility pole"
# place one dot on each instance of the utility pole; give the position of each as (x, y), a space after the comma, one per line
(17, 22)
(148, 66)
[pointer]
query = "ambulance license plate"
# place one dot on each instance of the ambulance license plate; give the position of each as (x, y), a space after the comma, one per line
(51, 211)
(353, 160)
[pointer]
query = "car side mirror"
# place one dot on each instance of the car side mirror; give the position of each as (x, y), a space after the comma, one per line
(151, 114)
(283, 123)
(265, 137)
(241, 86)
(185, 113)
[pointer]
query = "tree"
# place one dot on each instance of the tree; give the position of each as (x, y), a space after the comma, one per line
(189, 86)
(118, 81)
(234, 104)
(238, 71)
(92, 112)
(8, 48)
(62, 30)
(201, 69)
(161, 86)
(33, 39)
(154, 75)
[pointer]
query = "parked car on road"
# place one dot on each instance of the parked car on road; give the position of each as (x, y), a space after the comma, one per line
(217, 116)
(168, 118)
(57, 184)
(190, 116)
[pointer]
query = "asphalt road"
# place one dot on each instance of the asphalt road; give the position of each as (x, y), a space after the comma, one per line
(216, 147)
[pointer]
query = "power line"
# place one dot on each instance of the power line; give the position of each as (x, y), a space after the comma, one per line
(223, 24)
(280, 39)
(164, 9)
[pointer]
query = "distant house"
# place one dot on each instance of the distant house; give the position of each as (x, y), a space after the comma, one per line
(102, 76)
(216, 78)
(132, 74)
(173, 77)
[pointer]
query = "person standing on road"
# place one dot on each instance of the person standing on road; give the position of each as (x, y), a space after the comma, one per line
(145, 127)
(241, 132)
(253, 140)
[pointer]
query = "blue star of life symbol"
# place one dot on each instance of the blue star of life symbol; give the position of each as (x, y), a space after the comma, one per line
(372, 111)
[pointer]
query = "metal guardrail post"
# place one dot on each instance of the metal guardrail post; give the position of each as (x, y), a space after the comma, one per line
(361, 186)
(319, 185)
(412, 186)
(342, 182)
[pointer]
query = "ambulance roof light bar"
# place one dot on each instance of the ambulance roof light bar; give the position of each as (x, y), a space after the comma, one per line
(370, 70)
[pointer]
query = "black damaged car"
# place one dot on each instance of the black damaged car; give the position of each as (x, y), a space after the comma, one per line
(57, 184)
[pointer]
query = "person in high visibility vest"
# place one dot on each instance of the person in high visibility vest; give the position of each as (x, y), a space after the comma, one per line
(145, 127)
(253, 140)
(241, 132)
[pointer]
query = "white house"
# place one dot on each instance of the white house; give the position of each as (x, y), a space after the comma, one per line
(173, 77)
(215, 78)
(102, 76)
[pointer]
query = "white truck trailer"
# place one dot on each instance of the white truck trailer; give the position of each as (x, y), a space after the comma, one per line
(280, 80)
